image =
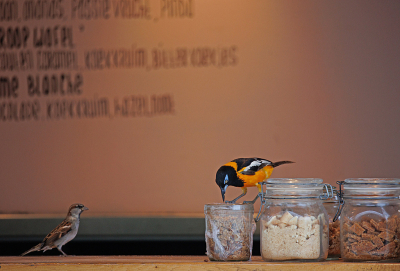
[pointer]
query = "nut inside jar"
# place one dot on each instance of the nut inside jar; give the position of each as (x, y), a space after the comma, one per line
(334, 238)
(287, 237)
(371, 239)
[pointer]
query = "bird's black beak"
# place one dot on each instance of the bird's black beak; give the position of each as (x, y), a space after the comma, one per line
(223, 190)
(85, 208)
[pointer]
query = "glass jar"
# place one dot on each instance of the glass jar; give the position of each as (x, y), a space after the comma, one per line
(294, 223)
(370, 221)
(229, 231)
(331, 206)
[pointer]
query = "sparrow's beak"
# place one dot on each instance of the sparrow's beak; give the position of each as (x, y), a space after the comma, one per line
(223, 190)
(85, 208)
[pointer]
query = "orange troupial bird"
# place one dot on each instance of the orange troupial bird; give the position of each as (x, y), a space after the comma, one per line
(245, 172)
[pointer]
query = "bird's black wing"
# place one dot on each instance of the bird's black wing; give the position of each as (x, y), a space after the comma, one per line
(249, 166)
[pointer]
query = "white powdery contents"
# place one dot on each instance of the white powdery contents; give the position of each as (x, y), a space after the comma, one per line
(291, 237)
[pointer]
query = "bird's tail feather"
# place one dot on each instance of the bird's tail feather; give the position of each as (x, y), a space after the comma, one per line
(38, 247)
(281, 163)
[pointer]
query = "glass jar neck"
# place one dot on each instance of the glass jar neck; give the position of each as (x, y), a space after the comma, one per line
(300, 188)
(292, 194)
(227, 207)
(368, 188)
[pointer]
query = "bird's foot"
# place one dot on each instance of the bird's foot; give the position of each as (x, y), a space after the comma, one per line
(251, 201)
(235, 199)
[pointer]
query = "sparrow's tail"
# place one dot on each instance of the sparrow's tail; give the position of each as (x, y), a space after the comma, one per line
(38, 247)
(280, 163)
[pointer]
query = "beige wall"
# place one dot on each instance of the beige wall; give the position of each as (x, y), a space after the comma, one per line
(315, 82)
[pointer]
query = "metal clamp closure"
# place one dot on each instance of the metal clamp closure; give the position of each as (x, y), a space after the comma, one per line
(341, 201)
(263, 201)
(329, 192)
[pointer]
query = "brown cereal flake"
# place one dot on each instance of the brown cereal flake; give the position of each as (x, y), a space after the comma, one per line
(346, 227)
(357, 229)
(382, 244)
(377, 241)
(367, 236)
(387, 235)
(392, 224)
(352, 236)
(366, 225)
(381, 226)
(348, 254)
(387, 249)
(374, 223)
(362, 247)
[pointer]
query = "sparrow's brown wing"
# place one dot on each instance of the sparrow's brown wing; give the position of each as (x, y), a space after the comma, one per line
(57, 233)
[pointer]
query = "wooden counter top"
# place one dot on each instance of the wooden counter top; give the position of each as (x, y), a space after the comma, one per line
(175, 263)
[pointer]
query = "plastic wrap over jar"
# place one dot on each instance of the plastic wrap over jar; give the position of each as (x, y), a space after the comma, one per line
(229, 231)
(331, 206)
(294, 223)
(370, 221)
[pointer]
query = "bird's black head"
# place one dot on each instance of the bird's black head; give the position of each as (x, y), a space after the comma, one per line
(225, 177)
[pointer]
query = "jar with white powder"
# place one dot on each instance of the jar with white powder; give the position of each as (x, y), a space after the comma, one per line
(294, 223)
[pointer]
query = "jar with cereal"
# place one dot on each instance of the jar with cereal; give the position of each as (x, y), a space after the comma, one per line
(229, 231)
(294, 223)
(331, 206)
(369, 220)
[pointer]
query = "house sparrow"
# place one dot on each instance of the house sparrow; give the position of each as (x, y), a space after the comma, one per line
(63, 233)
(245, 172)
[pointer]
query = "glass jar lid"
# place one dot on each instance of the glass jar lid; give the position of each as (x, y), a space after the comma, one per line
(208, 208)
(371, 187)
(294, 188)
(294, 182)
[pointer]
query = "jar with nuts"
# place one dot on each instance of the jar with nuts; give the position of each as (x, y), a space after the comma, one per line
(294, 223)
(369, 220)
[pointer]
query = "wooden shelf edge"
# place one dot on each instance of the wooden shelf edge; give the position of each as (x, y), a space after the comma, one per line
(176, 262)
